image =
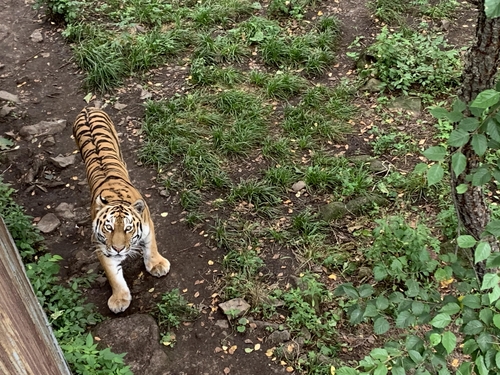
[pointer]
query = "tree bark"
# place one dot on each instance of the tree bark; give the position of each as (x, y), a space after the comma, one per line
(479, 74)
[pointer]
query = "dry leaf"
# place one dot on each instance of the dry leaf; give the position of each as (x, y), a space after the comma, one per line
(232, 349)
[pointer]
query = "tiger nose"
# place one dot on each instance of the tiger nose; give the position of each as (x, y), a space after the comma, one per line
(118, 248)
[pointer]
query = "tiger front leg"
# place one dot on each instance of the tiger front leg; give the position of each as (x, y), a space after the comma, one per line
(121, 297)
(155, 264)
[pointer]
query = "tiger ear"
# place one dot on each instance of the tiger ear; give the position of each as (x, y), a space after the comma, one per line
(100, 202)
(139, 205)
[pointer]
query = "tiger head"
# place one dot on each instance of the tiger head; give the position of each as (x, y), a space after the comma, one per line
(118, 227)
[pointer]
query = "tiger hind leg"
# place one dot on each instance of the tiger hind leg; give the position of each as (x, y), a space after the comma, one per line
(121, 297)
(155, 264)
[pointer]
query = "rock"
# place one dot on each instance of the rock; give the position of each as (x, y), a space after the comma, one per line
(222, 323)
(145, 94)
(406, 103)
(119, 106)
(48, 223)
(360, 158)
(138, 336)
(36, 36)
(63, 161)
(235, 307)
(6, 109)
(376, 166)
(298, 186)
(277, 337)
(373, 85)
(445, 25)
(82, 215)
(360, 204)
(333, 211)
(49, 141)
(7, 96)
(65, 211)
(43, 128)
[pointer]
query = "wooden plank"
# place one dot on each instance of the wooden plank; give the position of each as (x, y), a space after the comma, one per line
(27, 343)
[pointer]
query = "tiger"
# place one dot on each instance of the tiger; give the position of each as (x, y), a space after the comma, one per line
(121, 221)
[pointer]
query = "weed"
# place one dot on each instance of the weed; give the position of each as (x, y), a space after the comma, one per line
(308, 227)
(294, 8)
(190, 199)
(256, 29)
(400, 252)
(397, 143)
(194, 218)
(173, 310)
(103, 62)
(27, 238)
(208, 75)
(282, 176)
(255, 192)
(285, 85)
(258, 78)
(276, 148)
(409, 60)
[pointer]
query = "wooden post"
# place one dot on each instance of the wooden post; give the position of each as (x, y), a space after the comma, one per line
(27, 344)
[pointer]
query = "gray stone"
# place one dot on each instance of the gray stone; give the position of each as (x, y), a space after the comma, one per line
(360, 158)
(7, 96)
(333, 211)
(63, 161)
(65, 211)
(43, 128)
(407, 103)
(298, 186)
(377, 166)
(222, 323)
(235, 307)
(82, 215)
(373, 85)
(48, 223)
(138, 336)
(360, 204)
(6, 109)
(277, 337)
(49, 141)
(36, 36)
(145, 94)
(119, 106)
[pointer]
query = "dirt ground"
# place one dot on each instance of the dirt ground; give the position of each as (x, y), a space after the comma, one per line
(48, 86)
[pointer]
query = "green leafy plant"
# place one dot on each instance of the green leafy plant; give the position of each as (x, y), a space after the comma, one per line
(413, 62)
(173, 310)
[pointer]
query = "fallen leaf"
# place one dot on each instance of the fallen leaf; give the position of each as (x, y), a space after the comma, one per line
(232, 349)
(257, 347)
(197, 294)
(332, 370)
(248, 350)
(289, 369)
(210, 262)
(164, 214)
(332, 276)
(151, 290)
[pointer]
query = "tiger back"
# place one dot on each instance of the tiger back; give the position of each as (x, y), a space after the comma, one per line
(121, 221)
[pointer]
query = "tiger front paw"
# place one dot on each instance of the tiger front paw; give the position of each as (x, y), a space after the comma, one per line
(119, 302)
(158, 268)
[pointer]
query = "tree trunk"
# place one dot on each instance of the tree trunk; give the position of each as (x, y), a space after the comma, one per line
(480, 72)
